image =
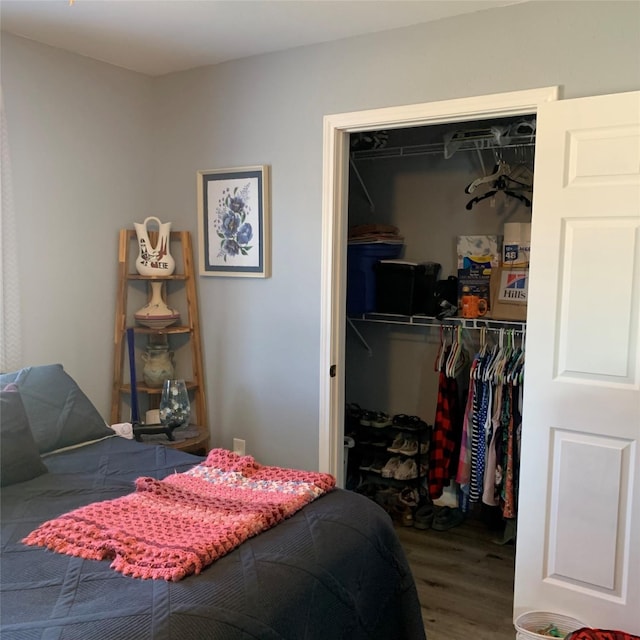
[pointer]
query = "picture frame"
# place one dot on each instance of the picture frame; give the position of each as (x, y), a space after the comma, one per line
(234, 222)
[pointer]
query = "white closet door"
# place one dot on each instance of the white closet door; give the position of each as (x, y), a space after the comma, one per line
(579, 512)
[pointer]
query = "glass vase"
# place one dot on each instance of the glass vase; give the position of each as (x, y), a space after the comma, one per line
(175, 409)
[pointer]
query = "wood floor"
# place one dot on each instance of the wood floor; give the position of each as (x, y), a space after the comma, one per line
(464, 579)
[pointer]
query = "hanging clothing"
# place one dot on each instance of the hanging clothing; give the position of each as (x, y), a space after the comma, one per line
(478, 440)
(463, 474)
(445, 439)
(489, 460)
(490, 494)
(512, 457)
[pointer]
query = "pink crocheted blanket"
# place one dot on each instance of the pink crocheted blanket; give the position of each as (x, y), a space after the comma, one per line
(168, 529)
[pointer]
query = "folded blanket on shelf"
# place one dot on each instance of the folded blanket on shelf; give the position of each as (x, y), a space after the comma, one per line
(168, 529)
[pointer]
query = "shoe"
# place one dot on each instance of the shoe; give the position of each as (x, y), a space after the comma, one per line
(409, 423)
(409, 447)
(353, 411)
(407, 470)
(366, 417)
(367, 489)
(409, 497)
(447, 518)
(378, 465)
(387, 498)
(424, 447)
(389, 469)
(397, 444)
(381, 420)
(423, 517)
(414, 423)
(400, 420)
(403, 514)
(366, 463)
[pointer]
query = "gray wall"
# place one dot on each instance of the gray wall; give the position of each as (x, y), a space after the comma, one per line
(79, 135)
(261, 337)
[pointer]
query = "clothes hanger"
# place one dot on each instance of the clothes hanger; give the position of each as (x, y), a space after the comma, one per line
(457, 356)
(521, 174)
(501, 359)
(441, 351)
(500, 169)
(453, 354)
(489, 194)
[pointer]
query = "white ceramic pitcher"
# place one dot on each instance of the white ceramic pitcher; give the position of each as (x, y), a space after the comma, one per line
(154, 260)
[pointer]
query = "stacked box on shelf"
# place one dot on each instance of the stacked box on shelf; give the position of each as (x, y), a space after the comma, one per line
(361, 276)
(477, 256)
(510, 283)
(405, 287)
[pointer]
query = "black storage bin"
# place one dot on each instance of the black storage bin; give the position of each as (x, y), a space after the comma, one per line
(406, 288)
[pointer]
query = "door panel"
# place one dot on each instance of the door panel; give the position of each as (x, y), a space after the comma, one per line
(579, 522)
(589, 291)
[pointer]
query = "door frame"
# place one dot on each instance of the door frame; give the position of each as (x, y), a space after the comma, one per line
(335, 191)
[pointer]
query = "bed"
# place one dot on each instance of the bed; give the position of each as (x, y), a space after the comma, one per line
(335, 569)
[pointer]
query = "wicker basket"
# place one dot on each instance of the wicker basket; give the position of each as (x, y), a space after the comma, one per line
(528, 623)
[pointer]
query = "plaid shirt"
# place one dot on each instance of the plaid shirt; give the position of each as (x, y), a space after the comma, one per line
(446, 437)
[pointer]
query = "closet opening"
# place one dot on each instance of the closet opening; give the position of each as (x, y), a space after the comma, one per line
(433, 388)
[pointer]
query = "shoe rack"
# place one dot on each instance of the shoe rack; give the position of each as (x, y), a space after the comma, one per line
(376, 448)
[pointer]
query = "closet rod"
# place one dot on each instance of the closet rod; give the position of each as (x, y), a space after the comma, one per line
(428, 321)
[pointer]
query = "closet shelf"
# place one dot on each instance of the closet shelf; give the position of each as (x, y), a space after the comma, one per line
(482, 140)
(430, 321)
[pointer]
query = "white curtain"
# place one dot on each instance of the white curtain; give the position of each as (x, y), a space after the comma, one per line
(10, 331)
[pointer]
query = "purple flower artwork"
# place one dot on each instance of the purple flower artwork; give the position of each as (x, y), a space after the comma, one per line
(231, 224)
(234, 222)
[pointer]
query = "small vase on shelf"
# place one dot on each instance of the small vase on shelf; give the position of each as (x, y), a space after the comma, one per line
(156, 314)
(158, 364)
(154, 260)
(175, 409)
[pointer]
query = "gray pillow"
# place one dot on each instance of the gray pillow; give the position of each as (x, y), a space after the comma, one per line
(59, 413)
(19, 456)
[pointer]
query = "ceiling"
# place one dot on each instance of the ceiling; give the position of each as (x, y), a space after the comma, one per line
(155, 37)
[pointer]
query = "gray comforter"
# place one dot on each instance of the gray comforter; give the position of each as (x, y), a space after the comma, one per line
(333, 570)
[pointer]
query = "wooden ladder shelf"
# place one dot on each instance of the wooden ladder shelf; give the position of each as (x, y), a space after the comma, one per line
(180, 288)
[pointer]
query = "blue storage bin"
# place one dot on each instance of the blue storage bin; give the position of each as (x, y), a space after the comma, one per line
(361, 277)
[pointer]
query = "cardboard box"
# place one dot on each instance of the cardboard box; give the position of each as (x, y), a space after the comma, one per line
(509, 293)
(517, 244)
(476, 251)
(477, 257)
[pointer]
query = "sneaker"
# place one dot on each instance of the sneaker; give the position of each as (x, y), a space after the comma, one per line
(378, 465)
(409, 497)
(366, 463)
(397, 444)
(389, 469)
(407, 470)
(423, 517)
(366, 417)
(409, 447)
(387, 498)
(403, 515)
(381, 420)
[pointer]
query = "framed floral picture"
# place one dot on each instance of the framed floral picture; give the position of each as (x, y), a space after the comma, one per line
(234, 222)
